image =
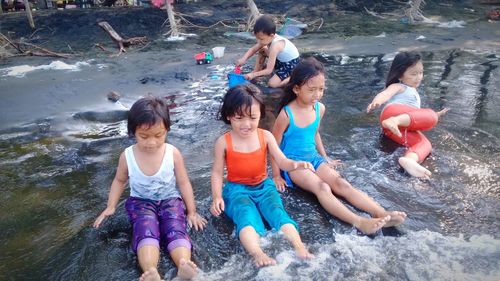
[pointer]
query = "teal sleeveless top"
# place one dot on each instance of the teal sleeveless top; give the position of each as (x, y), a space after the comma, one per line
(298, 143)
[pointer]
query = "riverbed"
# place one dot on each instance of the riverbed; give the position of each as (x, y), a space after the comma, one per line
(60, 138)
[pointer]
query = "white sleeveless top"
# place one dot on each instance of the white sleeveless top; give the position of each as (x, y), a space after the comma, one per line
(289, 52)
(408, 97)
(159, 186)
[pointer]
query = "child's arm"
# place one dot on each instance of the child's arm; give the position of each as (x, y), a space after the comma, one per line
(275, 49)
(319, 142)
(186, 189)
(255, 48)
(384, 96)
(317, 137)
(117, 188)
(217, 177)
(280, 159)
(280, 125)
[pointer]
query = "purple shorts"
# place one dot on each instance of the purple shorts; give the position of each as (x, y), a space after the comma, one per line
(158, 222)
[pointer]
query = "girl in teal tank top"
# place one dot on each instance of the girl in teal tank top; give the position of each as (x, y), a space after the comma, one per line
(297, 131)
(298, 142)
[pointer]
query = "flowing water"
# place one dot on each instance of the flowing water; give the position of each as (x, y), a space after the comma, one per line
(57, 169)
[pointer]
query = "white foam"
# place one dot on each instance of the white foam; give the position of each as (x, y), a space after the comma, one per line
(421, 255)
(452, 24)
(21, 70)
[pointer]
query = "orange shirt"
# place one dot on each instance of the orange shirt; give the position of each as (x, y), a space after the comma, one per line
(246, 167)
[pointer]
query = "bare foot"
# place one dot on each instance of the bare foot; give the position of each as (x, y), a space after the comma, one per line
(303, 253)
(397, 218)
(187, 269)
(150, 275)
(413, 168)
(391, 124)
(262, 259)
(442, 112)
(372, 225)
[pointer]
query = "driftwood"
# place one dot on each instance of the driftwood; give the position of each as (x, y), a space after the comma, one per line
(28, 49)
(254, 14)
(414, 13)
(122, 43)
(171, 19)
(28, 13)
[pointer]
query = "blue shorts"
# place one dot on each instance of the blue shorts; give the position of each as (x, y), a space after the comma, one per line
(244, 205)
(284, 69)
(316, 161)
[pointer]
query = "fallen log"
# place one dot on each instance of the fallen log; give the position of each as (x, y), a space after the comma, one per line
(28, 49)
(122, 43)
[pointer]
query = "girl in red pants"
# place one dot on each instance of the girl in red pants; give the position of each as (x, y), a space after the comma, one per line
(402, 119)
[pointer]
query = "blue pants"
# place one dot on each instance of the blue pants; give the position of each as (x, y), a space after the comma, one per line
(245, 204)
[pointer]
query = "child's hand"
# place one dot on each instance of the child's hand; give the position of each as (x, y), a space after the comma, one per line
(196, 221)
(217, 206)
(303, 165)
(373, 105)
(333, 163)
(240, 62)
(442, 112)
(280, 183)
(106, 213)
(249, 76)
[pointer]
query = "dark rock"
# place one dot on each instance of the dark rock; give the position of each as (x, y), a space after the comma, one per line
(183, 76)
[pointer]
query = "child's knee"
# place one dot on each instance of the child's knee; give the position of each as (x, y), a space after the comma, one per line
(264, 51)
(324, 188)
(341, 186)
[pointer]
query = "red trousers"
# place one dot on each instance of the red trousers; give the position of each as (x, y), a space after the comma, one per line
(421, 119)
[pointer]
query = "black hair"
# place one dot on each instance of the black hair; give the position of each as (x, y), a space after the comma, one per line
(402, 61)
(305, 70)
(238, 99)
(148, 111)
(264, 24)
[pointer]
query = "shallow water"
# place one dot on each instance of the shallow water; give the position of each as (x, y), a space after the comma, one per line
(56, 172)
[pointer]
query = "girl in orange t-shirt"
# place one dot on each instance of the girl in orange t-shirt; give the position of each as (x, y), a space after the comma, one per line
(249, 192)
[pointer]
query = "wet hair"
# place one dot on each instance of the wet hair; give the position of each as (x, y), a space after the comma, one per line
(305, 70)
(402, 61)
(264, 24)
(238, 101)
(147, 112)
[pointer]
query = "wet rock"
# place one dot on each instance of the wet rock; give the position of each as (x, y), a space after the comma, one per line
(114, 96)
(183, 76)
(105, 116)
(154, 80)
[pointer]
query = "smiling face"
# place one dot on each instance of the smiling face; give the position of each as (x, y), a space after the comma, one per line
(413, 75)
(264, 39)
(246, 123)
(151, 139)
(311, 91)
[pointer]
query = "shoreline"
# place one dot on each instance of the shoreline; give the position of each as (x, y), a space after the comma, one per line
(160, 65)
(479, 36)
